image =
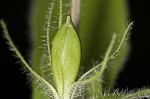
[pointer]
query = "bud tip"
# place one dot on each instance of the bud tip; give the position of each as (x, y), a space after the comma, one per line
(68, 13)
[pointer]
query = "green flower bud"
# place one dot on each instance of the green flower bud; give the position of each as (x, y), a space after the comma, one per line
(66, 56)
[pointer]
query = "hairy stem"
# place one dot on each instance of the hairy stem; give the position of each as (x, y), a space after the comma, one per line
(47, 30)
(140, 94)
(122, 39)
(24, 62)
(103, 64)
(60, 13)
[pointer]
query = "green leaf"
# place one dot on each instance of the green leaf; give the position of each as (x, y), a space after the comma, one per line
(66, 54)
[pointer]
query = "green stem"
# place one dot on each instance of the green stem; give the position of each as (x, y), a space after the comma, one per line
(122, 39)
(60, 13)
(48, 29)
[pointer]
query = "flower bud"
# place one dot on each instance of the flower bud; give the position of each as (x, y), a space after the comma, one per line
(66, 56)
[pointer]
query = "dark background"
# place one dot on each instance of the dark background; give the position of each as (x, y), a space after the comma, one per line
(13, 83)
